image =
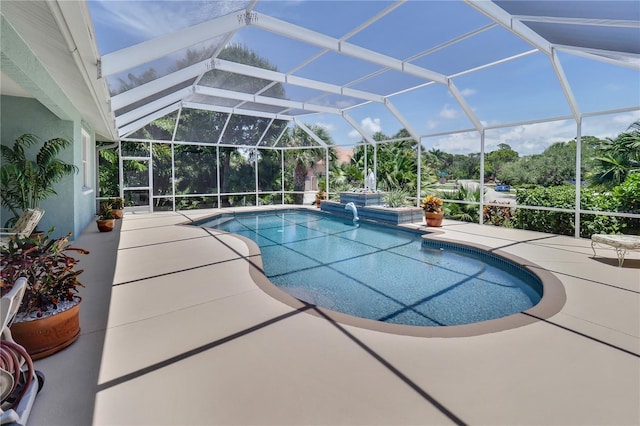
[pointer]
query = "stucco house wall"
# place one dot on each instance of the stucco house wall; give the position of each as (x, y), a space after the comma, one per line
(73, 208)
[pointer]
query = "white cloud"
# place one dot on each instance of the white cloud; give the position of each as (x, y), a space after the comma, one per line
(327, 126)
(459, 143)
(432, 124)
(526, 139)
(534, 138)
(468, 92)
(531, 138)
(147, 19)
(449, 112)
(354, 134)
(608, 126)
(369, 125)
(626, 119)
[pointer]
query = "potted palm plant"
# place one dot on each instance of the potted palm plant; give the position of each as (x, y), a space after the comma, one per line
(28, 181)
(48, 318)
(320, 195)
(433, 212)
(117, 205)
(106, 220)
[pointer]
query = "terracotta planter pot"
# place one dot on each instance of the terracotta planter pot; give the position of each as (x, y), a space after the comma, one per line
(433, 218)
(105, 225)
(47, 335)
(118, 213)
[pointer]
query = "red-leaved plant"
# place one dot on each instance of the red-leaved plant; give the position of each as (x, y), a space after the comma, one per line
(48, 269)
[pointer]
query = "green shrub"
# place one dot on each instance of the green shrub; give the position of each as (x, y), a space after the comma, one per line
(466, 212)
(396, 198)
(627, 194)
(563, 223)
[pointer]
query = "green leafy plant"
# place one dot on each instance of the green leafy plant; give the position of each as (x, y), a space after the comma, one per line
(467, 210)
(627, 195)
(48, 269)
(26, 182)
(616, 159)
(498, 215)
(106, 212)
(396, 198)
(563, 223)
(117, 203)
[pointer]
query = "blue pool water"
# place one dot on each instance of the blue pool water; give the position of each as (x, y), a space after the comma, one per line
(382, 273)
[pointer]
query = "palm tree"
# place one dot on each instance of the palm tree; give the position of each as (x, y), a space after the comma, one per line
(305, 159)
(339, 178)
(26, 182)
(467, 211)
(618, 158)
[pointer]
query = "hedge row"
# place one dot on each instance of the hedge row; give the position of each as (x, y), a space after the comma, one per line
(624, 198)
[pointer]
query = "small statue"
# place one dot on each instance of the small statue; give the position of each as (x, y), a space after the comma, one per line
(370, 181)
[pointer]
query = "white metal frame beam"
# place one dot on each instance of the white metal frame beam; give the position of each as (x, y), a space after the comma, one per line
(138, 93)
(499, 15)
(310, 132)
(228, 24)
(628, 60)
(295, 32)
(564, 84)
(246, 97)
(153, 106)
(149, 89)
(453, 89)
(279, 77)
(305, 35)
(188, 36)
(239, 111)
(159, 47)
(129, 128)
(503, 18)
(358, 128)
(617, 23)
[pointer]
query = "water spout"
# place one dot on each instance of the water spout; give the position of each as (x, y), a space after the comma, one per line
(354, 209)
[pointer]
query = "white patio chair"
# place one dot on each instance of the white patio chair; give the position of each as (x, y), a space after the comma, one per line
(23, 227)
(621, 243)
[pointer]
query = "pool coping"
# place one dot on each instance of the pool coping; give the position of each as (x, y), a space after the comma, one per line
(552, 301)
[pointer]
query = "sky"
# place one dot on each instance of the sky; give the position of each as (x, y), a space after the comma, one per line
(434, 35)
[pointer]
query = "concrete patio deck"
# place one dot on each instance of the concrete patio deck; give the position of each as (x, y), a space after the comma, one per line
(175, 332)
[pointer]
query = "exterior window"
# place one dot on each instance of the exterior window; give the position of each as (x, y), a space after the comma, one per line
(86, 163)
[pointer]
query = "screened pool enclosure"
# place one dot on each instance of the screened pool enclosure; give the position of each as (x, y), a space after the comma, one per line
(221, 103)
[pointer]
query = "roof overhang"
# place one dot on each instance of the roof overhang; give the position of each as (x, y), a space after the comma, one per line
(60, 35)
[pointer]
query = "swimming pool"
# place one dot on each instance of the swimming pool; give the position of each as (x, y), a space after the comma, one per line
(382, 273)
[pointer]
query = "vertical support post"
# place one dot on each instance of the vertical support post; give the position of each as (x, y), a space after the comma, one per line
(282, 174)
(96, 178)
(150, 176)
(364, 172)
(173, 157)
(326, 172)
(121, 174)
(578, 176)
(173, 176)
(481, 207)
(218, 175)
(375, 163)
(256, 176)
(418, 172)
